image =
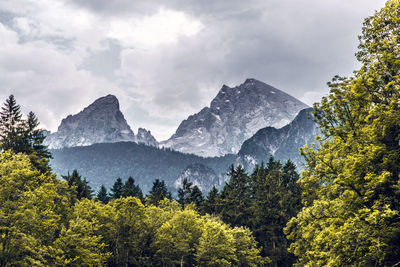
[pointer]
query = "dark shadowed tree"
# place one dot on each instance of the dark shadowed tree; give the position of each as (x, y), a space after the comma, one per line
(116, 189)
(158, 192)
(102, 195)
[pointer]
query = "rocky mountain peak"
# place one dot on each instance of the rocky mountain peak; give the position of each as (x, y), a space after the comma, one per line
(100, 122)
(234, 115)
(145, 137)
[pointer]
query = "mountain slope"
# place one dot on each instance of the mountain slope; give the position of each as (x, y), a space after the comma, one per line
(201, 175)
(100, 122)
(283, 143)
(103, 163)
(234, 115)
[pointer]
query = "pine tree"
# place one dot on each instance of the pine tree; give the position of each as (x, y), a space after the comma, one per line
(196, 196)
(158, 192)
(234, 198)
(131, 190)
(23, 135)
(210, 204)
(184, 192)
(82, 188)
(116, 189)
(34, 137)
(275, 199)
(12, 126)
(102, 195)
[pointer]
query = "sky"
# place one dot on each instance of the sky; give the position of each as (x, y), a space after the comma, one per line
(166, 60)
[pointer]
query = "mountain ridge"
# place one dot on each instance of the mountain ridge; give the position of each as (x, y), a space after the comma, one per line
(233, 116)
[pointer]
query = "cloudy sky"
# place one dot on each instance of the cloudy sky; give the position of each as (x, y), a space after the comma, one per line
(165, 60)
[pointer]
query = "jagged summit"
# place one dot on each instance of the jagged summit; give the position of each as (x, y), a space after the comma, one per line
(100, 122)
(234, 115)
(145, 137)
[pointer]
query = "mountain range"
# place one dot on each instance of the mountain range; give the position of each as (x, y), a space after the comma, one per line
(234, 115)
(243, 125)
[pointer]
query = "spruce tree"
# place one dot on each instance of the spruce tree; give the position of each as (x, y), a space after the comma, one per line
(131, 190)
(158, 192)
(196, 196)
(102, 195)
(116, 189)
(81, 187)
(211, 202)
(12, 126)
(234, 198)
(184, 192)
(23, 135)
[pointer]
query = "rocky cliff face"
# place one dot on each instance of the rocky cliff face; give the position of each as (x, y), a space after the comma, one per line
(198, 174)
(100, 122)
(144, 137)
(282, 144)
(234, 115)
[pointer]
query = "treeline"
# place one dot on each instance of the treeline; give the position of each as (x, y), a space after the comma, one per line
(263, 202)
(47, 221)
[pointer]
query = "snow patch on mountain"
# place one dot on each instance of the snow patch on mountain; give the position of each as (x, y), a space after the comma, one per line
(234, 115)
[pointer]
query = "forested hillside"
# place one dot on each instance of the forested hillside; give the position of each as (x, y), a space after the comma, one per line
(103, 163)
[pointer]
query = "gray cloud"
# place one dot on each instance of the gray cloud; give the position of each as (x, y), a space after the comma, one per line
(57, 66)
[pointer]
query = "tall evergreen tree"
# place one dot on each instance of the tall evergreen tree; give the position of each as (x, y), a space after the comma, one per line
(82, 187)
(234, 198)
(102, 195)
(184, 192)
(23, 135)
(196, 197)
(275, 199)
(158, 192)
(116, 189)
(34, 137)
(12, 126)
(131, 190)
(210, 203)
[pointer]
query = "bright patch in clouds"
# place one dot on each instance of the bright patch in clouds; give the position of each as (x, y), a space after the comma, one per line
(164, 27)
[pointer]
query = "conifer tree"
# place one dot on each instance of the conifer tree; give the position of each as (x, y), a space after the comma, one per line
(196, 196)
(116, 189)
(131, 190)
(210, 203)
(158, 192)
(12, 126)
(23, 135)
(184, 192)
(82, 187)
(234, 198)
(102, 195)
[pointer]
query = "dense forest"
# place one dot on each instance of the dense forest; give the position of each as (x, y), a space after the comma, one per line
(342, 211)
(102, 163)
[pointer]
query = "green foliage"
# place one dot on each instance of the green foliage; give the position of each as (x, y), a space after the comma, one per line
(102, 195)
(211, 202)
(131, 190)
(32, 211)
(184, 192)
(157, 193)
(116, 189)
(351, 185)
(234, 198)
(81, 244)
(22, 135)
(81, 187)
(196, 196)
(264, 202)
